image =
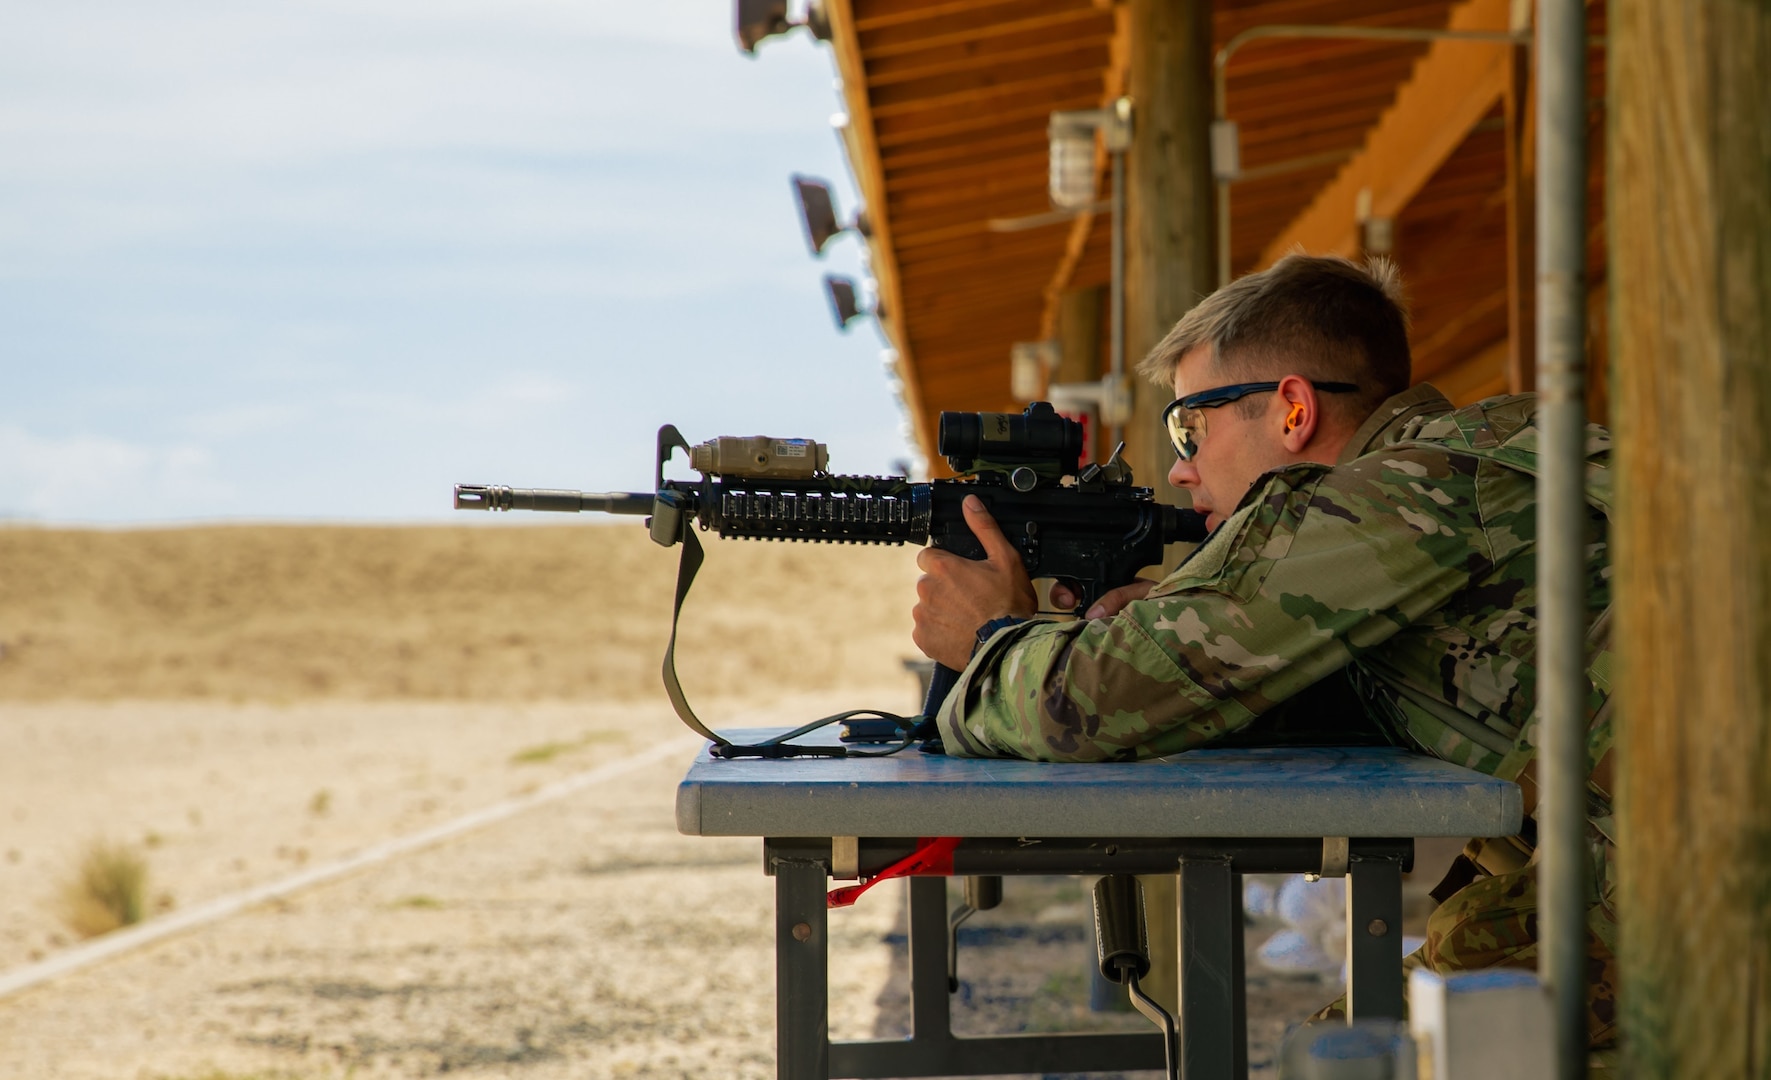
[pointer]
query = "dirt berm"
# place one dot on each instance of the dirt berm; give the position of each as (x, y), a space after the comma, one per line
(501, 611)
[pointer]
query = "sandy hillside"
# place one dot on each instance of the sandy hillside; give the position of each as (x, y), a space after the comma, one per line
(501, 611)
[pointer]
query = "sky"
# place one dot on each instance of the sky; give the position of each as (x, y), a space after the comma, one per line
(320, 260)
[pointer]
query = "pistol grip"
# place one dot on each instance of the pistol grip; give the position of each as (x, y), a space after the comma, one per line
(941, 683)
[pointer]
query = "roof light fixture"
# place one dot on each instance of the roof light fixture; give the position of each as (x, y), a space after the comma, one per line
(817, 211)
(1072, 186)
(1072, 139)
(1030, 366)
(845, 307)
(758, 19)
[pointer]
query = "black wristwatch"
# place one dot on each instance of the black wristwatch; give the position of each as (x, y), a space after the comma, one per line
(990, 628)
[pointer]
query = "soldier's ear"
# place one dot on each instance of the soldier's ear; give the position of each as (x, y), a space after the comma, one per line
(1303, 412)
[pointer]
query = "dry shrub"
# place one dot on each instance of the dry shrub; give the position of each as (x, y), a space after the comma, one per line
(108, 890)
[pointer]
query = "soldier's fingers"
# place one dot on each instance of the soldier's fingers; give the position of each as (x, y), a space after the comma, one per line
(988, 532)
(917, 636)
(932, 560)
(1063, 597)
(925, 587)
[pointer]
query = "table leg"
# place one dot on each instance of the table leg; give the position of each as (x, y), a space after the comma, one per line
(930, 1006)
(1374, 938)
(1213, 1020)
(802, 972)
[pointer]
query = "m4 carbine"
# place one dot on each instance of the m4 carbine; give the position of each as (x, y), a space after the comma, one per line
(1090, 529)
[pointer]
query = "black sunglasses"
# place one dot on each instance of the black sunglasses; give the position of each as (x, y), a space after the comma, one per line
(1186, 424)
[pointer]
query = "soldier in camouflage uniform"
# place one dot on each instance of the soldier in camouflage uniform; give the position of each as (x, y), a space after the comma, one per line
(1360, 526)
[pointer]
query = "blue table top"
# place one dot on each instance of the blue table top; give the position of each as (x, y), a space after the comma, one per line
(1279, 792)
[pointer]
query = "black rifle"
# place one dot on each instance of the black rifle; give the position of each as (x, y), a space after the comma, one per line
(1088, 528)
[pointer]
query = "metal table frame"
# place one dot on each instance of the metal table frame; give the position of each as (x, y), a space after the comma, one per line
(1208, 816)
(1212, 1020)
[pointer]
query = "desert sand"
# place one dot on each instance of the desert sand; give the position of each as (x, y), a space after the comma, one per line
(235, 703)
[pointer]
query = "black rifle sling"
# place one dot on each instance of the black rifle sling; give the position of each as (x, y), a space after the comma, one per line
(779, 746)
(686, 569)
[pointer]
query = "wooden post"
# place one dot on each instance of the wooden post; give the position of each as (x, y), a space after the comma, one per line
(1079, 347)
(1171, 238)
(1171, 203)
(1079, 336)
(1690, 242)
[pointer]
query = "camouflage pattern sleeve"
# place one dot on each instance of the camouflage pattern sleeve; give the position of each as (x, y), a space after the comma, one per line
(1317, 566)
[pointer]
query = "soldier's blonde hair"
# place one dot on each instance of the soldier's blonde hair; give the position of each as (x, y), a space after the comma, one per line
(1322, 317)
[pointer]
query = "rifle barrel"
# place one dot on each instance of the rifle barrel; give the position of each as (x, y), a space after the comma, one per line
(499, 497)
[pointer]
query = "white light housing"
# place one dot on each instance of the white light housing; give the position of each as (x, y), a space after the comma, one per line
(1072, 162)
(1111, 398)
(1226, 151)
(1072, 138)
(1029, 363)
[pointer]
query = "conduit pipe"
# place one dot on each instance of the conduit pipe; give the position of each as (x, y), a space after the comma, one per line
(1562, 768)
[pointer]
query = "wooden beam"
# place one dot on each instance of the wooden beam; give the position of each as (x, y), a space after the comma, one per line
(903, 12)
(1469, 317)
(990, 196)
(1323, 91)
(1026, 138)
(1479, 376)
(979, 25)
(1306, 135)
(982, 304)
(1454, 86)
(1029, 80)
(1230, 20)
(993, 330)
(984, 251)
(912, 129)
(1276, 58)
(1028, 45)
(960, 174)
(863, 152)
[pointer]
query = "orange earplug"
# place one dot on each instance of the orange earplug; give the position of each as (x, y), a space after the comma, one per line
(1295, 418)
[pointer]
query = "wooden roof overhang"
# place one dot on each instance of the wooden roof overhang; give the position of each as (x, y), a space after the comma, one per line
(948, 102)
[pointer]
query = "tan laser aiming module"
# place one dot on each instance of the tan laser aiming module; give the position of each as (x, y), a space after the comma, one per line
(760, 457)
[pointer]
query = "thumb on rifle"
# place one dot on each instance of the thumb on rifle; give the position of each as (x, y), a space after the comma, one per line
(988, 532)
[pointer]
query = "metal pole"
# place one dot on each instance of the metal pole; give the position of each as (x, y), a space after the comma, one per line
(1223, 232)
(1561, 507)
(1116, 348)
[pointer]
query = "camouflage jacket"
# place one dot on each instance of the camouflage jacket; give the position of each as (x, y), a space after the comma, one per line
(1412, 560)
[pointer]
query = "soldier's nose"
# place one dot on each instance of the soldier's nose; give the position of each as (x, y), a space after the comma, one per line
(1182, 474)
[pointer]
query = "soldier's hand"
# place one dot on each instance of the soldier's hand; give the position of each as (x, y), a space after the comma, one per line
(1111, 602)
(956, 595)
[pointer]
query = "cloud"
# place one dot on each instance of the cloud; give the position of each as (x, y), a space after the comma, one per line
(83, 478)
(423, 138)
(252, 252)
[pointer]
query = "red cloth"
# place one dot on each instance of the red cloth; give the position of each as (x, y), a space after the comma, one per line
(933, 857)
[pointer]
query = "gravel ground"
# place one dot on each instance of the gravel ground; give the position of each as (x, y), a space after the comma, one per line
(584, 938)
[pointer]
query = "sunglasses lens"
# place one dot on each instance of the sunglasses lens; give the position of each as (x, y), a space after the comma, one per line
(1181, 429)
